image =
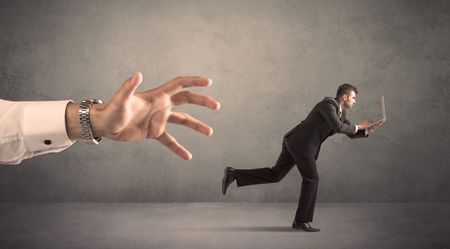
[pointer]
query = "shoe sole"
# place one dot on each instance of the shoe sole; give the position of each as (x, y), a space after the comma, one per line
(306, 230)
(309, 231)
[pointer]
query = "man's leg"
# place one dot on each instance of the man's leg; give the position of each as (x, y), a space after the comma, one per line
(284, 164)
(308, 193)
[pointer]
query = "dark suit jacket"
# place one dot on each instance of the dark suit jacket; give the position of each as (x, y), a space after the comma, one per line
(323, 121)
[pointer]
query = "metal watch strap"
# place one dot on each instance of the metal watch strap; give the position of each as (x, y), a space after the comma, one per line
(85, 120)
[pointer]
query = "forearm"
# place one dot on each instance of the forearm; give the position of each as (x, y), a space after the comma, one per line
(73, 127)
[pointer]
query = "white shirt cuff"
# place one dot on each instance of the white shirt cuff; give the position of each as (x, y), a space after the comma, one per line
(44, 126)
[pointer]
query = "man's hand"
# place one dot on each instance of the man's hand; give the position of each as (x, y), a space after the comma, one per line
(131, 116)
(364, 124)
(375, 126)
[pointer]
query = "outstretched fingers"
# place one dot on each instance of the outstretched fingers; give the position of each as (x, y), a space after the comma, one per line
(175, 85)
(187, 97)
(185, 119)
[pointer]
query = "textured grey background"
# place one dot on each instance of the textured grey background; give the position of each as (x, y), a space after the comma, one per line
(271, 61)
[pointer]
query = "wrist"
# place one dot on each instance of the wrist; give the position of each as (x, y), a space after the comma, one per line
(73, 127)
(96, 116)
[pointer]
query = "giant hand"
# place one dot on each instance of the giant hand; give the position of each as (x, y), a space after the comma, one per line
(134, 116)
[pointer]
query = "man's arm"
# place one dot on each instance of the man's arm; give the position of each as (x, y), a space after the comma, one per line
(33, 128)
(329, 113)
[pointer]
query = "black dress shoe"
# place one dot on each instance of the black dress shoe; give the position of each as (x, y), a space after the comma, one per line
(228, 178)
(304, 226)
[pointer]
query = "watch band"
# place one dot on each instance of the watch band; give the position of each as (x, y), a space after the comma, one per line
(85, 120)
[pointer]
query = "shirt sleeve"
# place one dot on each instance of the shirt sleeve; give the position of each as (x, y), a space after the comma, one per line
(32, 128)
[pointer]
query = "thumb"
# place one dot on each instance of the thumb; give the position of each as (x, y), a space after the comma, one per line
(130, 85)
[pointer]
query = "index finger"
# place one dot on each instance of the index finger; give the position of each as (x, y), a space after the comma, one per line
(175, 85)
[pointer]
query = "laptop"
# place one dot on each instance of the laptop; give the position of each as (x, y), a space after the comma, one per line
(383, 114)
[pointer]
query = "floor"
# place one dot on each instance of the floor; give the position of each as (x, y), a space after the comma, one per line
(222, 225)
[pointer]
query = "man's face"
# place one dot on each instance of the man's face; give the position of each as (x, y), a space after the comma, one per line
(349, 99)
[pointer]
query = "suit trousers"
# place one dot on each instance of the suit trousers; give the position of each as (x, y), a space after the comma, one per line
(287, 159)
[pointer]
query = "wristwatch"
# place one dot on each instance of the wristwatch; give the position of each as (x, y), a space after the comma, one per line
(85, 120)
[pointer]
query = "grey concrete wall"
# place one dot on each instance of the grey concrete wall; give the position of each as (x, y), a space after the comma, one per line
(271, 61)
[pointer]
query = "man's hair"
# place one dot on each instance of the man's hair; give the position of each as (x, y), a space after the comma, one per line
(345, 89)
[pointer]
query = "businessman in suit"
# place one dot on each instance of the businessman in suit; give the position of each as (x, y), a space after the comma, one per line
(301, 147)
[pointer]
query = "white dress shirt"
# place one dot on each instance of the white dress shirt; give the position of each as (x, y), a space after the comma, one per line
(32, 128)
